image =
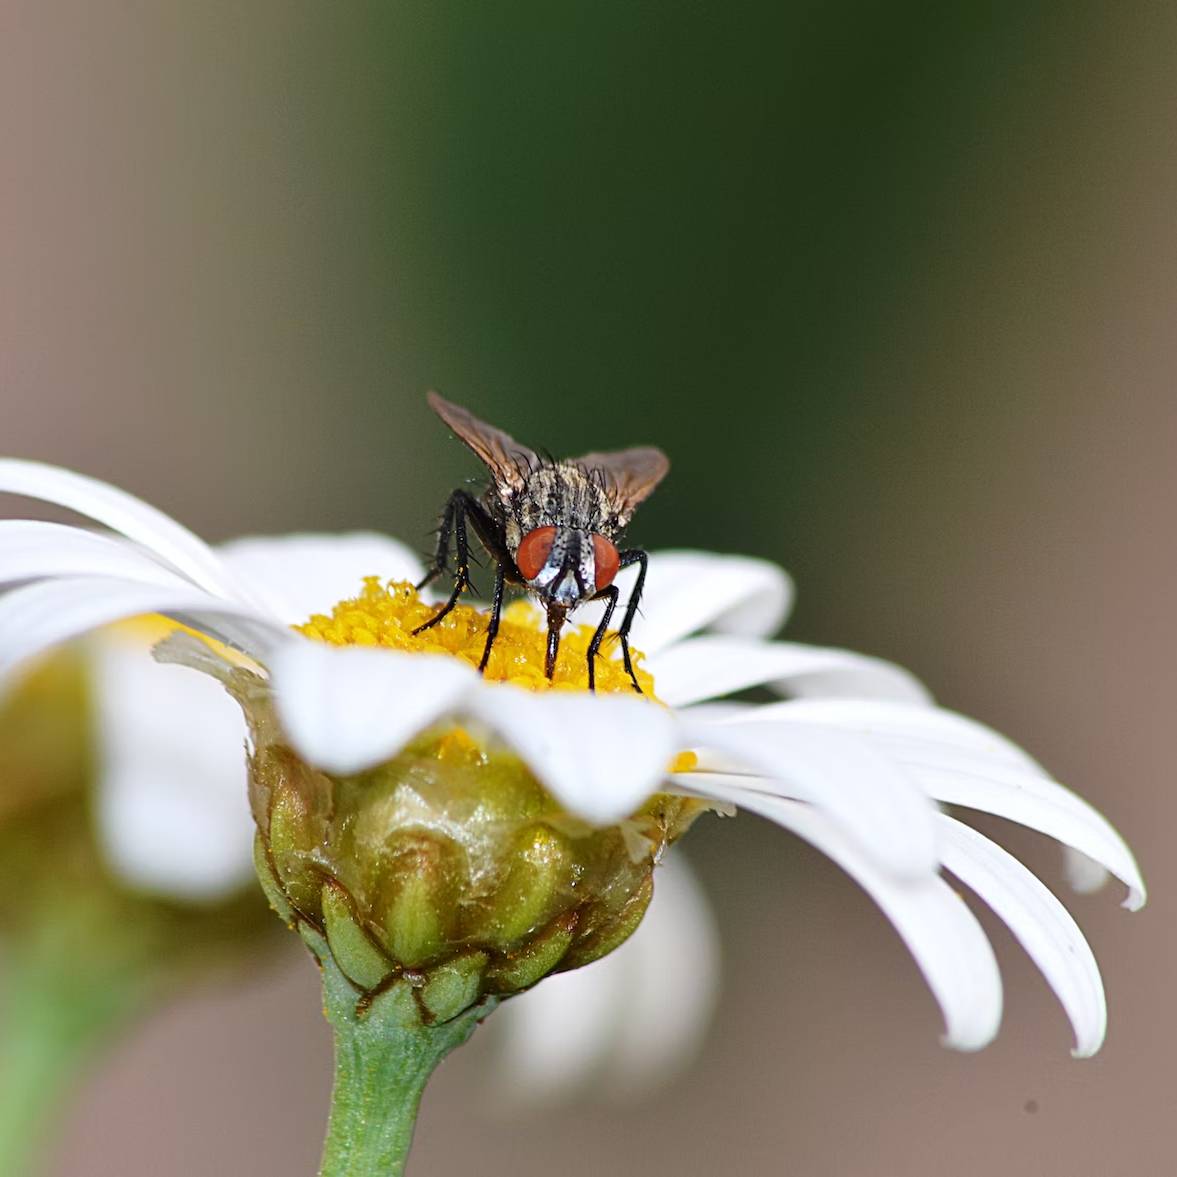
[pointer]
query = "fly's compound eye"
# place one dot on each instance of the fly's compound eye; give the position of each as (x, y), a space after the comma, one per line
(534, 549)
(606, 560)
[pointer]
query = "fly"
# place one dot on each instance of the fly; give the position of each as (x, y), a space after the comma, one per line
(550, 527)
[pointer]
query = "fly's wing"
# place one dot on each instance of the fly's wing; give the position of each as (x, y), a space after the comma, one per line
(508, 462)
(628, 477)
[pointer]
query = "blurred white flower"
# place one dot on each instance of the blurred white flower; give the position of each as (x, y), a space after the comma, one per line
(1083, 873)
(170, 784)
(625, 1023)
(859, 770)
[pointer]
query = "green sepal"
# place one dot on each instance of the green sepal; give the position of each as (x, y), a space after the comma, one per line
(524, 968)
(539, 878)
(353, 950)
(614, 930)
(421, 884)
(455, 986)
(290, 844)
(269, 884)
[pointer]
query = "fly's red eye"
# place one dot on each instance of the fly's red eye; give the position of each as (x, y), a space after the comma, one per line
(606, 559)
(534, 550)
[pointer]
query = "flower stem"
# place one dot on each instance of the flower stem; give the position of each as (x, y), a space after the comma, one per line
(384, 1055)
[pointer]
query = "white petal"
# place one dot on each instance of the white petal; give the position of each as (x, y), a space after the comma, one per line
(1084, 874)
(172, 810)
(630, 1021)
(903, 724)
(601, 756)
(39, 616)
(687, 592)
(349, 708)
(1040, 923)
(719, 712)
(961, 762)
(934, 922)
(1042, 805)
(305, 574)
(32, 550)
(124, 513)
(710, 667)
(862, 790)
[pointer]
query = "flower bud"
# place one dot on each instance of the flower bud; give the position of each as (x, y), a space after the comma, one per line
(449, 867)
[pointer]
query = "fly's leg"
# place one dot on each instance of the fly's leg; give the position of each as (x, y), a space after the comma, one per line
(610, 594)
(496, 609)
(553, 650)
(556, 615)
(453, 522)
(441, 556)
(633, 556)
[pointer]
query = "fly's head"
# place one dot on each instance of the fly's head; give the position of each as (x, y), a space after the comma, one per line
(560, 534)
(560, 520)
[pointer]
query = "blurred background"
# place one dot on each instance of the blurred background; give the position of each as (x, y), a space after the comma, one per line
(893, 285)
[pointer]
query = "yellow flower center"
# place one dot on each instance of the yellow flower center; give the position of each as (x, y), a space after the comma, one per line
(386, 614)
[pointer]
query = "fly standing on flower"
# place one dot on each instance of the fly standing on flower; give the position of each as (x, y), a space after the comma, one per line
(549, 526)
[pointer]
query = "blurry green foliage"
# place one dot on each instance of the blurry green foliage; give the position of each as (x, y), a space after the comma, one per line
(694, 224)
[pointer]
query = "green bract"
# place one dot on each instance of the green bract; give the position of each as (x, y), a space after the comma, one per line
(449, 867)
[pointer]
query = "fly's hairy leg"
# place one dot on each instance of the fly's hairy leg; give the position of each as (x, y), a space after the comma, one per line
(639, 557)
(496, 610)
(441, 555)
(610, 594)
(460, 505)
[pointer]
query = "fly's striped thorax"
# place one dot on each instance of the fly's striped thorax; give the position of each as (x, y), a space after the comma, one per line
(561, 495)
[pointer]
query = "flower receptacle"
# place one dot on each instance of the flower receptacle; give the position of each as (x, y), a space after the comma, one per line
(449, 868)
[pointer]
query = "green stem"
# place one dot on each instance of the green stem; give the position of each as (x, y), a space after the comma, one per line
(384, 1055)
(57, 1014)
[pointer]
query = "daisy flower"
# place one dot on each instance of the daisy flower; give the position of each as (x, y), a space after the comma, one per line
(313, 636)
(171, 821)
